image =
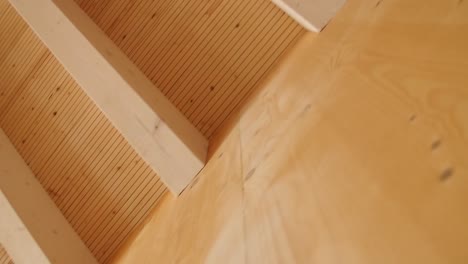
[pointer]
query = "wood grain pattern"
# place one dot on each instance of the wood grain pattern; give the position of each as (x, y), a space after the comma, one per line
(205, 56)
(212, 202)
(4, 257)
(355, 150)
(97, 180)
(155, 128)
(32, 228)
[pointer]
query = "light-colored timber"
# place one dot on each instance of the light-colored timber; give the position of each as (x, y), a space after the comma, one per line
(32, 228)
(313, 15)
(101, 185)
(156, 129)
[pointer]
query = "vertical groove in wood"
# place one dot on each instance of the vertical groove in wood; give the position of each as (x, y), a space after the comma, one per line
(205, 56)
(100, 184)
(4, 257)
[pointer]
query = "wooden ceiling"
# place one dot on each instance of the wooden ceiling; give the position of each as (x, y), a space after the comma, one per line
(103, 188)
(206, 57)
(4, 257)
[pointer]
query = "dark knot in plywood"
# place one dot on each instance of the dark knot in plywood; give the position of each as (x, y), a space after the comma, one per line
(446, 174)
(436, 144)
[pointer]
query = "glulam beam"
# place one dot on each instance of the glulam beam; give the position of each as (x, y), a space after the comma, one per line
(154, 127)
(32, 228)
(313, 15)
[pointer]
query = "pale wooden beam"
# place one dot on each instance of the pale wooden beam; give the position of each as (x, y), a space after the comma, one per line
(311, 14)
(32, 228)
(164, 138)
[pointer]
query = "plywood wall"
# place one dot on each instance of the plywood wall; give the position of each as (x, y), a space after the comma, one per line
(205, 56)
(4, 257)
(355, 151)
(104, 189)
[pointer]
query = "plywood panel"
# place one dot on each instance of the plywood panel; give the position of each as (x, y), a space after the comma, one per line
(355, 150)
(205, 223)
(97, 180)
(4, 257)
(205, 56)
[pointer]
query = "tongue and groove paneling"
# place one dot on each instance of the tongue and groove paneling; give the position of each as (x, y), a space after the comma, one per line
(205, 56)
(100, 184)
(4, 257)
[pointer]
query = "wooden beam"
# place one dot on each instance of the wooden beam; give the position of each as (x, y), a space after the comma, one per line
(32, 228)
(164, 138)
(314, 15)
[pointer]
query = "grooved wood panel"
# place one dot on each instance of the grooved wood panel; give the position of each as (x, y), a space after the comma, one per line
(4, 257)
(205, 56)
(103, 188)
